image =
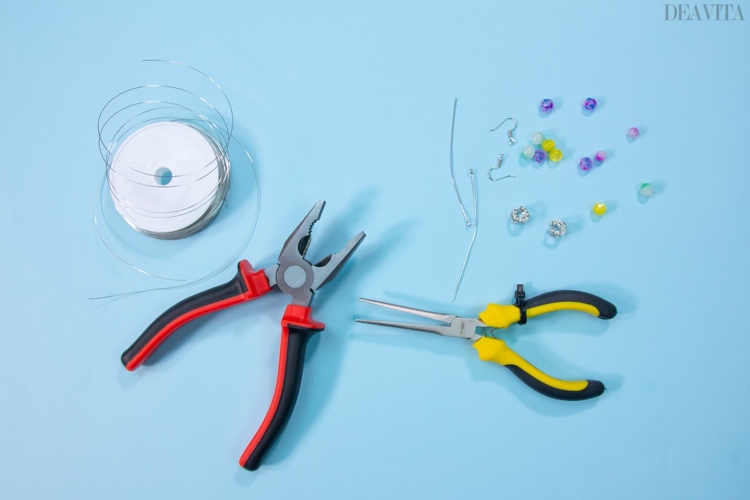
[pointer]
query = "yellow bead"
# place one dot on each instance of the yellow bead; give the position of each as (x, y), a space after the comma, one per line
(555, 155)
(548, 145)
(600, 208)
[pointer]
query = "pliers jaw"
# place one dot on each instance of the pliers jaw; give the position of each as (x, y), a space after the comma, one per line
(297, 277)
(465, 328)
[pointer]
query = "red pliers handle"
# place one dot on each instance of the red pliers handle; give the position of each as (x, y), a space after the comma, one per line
(293, 275)
(247, 285)
(297, 327)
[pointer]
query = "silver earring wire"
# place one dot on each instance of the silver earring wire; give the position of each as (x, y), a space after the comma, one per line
(500, 159)
(511, 139)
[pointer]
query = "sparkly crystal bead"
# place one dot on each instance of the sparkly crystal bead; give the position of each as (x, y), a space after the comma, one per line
(557, 228)
(519, 215)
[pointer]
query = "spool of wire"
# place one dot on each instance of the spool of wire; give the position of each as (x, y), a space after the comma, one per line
(166, 148)
(169, 179)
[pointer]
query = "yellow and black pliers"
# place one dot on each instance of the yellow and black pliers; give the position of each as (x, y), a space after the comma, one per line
(502, 316)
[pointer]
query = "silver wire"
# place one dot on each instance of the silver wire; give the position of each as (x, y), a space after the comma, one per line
(473, 237)
(453, 178)
(185, 283)
(118, 120)
(500, 159)
(511, 139)
(217, 134)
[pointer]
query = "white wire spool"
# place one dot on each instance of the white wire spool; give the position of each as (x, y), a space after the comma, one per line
(166, 179)
(167, 147)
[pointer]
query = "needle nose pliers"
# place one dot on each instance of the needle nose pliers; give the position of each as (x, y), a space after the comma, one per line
(502, 316)
(294, 276)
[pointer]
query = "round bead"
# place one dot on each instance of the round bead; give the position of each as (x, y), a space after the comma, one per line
(539, 156)
(600, 156)
(585, 164)
(528, 152)
(633, 132)
(589, 104)
(646, 189)
(557, 228)
(537, 138)
(519, 215)
(599, 208)
(555, 155)
(546, 105)
(548, 145)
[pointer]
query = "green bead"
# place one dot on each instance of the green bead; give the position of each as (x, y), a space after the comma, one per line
(646, 189)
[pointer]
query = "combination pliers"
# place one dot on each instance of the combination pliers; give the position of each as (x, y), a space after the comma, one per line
(294, 276)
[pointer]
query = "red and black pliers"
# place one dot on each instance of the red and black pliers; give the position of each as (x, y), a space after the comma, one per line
(294, 276)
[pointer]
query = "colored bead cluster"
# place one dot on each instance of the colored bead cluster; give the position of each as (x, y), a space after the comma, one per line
(546, 149)
(587, 163)
(543, 149)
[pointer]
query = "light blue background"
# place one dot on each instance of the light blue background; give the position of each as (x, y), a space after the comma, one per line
(351, 102)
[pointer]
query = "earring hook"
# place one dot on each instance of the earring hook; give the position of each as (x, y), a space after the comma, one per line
(500, 159)
(511, 139)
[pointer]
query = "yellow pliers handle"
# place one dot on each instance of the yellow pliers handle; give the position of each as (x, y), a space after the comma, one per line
(501, 316)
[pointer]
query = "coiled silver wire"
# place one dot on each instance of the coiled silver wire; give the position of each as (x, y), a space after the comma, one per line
(204, 108)
(132, 110)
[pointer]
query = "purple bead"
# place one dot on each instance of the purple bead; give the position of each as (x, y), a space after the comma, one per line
(546, 105)
(600, 156)
(585, 164)
(540, 156)
(633, 132)
(589, 104)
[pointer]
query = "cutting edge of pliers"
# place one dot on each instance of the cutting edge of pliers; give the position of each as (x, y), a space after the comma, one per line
(294, 274)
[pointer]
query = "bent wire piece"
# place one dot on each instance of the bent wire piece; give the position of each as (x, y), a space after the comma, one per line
(453, 177)
(473, 236)
(500, 159)
(511, 140)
